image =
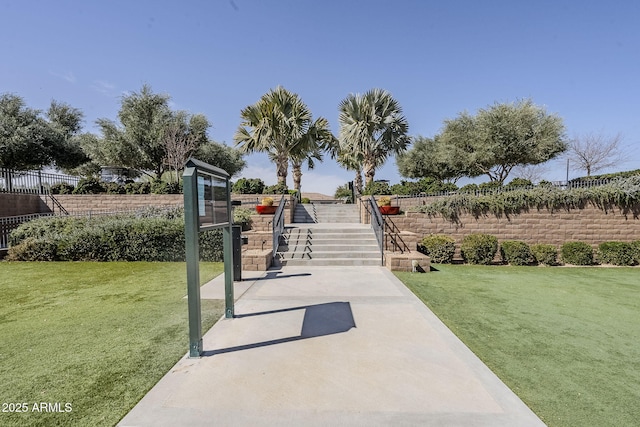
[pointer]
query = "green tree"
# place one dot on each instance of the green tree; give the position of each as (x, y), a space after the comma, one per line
(372, 127)
(501, 137)
(317, 140)
(151, 138)
(281, 125)
(138, 141)
(30, 141)
(428, 158)
(226, 158)
(353, 162)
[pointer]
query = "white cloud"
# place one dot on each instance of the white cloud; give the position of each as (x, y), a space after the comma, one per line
(68, 76)
(103, 87)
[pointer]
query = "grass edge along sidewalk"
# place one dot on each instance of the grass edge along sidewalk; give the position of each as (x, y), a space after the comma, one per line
(565, 340)
(89, 339)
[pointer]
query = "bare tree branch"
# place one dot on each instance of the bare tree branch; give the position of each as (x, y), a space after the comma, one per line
(592, 152)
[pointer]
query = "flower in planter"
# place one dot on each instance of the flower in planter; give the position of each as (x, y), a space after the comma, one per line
(267, 201)
(384, 201)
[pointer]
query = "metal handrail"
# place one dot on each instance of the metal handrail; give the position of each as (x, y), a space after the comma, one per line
(377, 224)
(278, 225)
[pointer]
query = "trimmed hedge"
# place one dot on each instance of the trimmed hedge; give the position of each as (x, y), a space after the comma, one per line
(479, 248)
(545, 254)
(577, 253)
(617, 253)
(439, 248)
(636, 250)
(118, 238)
(516, 252)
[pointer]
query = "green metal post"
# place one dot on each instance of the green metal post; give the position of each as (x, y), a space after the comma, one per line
(191, 232)
(228, 261)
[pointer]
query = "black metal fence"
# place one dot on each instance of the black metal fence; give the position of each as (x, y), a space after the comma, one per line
(10, 223)
(32, 182)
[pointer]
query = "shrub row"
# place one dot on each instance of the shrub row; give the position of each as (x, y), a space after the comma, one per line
(482, 249)
(96, 186)
(118, 238)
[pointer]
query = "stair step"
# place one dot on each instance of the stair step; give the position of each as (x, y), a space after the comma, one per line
(328, 255)
(342, 262)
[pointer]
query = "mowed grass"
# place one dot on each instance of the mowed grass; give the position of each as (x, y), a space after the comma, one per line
(566, 340)
(96, 336)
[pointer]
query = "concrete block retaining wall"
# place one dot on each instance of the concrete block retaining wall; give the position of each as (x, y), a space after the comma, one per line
(21, 204)
(591, 225)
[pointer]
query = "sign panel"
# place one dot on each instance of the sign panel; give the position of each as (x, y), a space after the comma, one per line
(212, 200)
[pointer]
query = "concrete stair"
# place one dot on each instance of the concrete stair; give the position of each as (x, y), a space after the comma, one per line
(346, 244)
(326, 213)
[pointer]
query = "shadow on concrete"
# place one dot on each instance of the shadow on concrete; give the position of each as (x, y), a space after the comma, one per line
(319, 320)
(277, 275)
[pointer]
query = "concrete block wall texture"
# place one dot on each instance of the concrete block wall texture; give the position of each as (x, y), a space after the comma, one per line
(256, 260)
(591, 225)
(404, 262)
(21, 204)
(113, 202)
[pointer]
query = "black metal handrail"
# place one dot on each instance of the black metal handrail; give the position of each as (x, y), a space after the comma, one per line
(278, 225)
(394, 235)
(377, 224)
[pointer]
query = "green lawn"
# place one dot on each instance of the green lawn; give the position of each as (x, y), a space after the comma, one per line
(566, 340)
(96, 336)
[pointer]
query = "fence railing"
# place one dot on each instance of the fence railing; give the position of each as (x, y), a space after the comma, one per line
(278, 225)
(32, 182)
(10, 223)
(377, 223)
(565, 185)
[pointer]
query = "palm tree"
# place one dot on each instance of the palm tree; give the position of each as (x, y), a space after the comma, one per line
(372, 127)
(351, 161)
(317, 140)
(281, 125)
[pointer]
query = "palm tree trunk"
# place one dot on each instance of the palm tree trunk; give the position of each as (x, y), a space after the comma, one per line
(358, 181)
(369, 172)
(297, 175)
(282, 166)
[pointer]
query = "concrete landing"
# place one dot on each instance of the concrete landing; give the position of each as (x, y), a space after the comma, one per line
(321, 346)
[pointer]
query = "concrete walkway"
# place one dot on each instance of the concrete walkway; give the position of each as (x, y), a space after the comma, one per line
(329, 346)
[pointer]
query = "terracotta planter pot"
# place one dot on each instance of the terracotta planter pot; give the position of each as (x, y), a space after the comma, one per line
(389, 210)
(266, 210)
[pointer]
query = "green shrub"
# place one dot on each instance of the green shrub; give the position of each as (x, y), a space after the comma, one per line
(479, 248)
(516, 252)
(617, 253)
(114, 188)
(276, 189)
(636, 250)
(163, 187)
(439, 247)
(32, 249)
(376, 188)
(242, 215)
(90, 186)
(118, 238)
(519, 182)
(248, 186)
(545, 254)
(305, 200)
(577, 253)
(137, 188)
(61, 188)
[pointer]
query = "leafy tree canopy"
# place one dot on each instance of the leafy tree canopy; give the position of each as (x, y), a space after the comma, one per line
(502, 136)
(428, 158)
(151, 138)
(372, 128)
(31, 140)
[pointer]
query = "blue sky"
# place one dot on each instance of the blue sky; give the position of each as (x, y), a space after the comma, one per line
(578, 59)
